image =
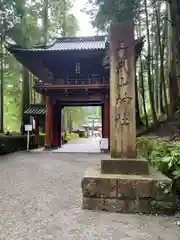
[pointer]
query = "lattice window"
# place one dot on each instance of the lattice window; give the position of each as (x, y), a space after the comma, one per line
(78, 68)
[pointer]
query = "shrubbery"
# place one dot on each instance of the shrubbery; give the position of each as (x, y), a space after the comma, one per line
(65, 138)
(81, 133)
(163, 155)
(69, 136)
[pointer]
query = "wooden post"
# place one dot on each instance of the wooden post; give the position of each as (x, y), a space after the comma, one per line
(36, 133)
(48, 123)
(56, 119)
(60, 126)
(122, 91)
(102, 117)
(106, 117)
(108, 109)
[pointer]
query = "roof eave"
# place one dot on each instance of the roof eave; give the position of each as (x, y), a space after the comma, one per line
(25, 50)
(49, 47)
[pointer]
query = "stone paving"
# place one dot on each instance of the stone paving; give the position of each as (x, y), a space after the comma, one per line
(81, 145)
(40, 199)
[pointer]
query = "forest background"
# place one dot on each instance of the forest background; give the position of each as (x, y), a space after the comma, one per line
(30, 23)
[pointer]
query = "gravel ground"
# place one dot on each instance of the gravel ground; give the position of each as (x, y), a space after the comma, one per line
(40, 198)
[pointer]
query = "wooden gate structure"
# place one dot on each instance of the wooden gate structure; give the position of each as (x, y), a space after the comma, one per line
(71, 71)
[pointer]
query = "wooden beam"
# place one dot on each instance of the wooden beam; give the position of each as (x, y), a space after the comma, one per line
(71, 86)
(77, 104)
(73, 92)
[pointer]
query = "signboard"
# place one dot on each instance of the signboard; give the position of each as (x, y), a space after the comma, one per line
(104, 144)
(28, 127)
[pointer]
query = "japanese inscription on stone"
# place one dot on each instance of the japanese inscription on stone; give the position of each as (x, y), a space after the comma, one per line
(122, 91)
(122, 99)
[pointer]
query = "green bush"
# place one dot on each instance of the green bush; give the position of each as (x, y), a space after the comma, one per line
(163, 155)
(70, 136)
(81, 133)
(65, 139)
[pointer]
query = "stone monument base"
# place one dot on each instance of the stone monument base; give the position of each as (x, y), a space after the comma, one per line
(128, 193)
(125, 166)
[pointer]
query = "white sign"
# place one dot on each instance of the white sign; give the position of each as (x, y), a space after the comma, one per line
(28, 127)
(104, 143)
(33, 124)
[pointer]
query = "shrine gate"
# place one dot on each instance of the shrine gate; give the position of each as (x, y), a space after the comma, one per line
(71, 71)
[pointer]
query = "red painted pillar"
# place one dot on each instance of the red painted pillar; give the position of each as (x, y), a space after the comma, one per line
(55, 126)
(106, 118)
(60, 127)
(108, 122)
(102, 117)
(48, 123)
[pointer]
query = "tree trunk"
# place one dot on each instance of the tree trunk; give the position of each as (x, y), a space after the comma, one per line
(139, 122)
(143, 93)
(161, 52)
(162, 63)
(2, 86)
(173, 84)
(149, 67)
(157, 92)
(45, 21)
(64, 19)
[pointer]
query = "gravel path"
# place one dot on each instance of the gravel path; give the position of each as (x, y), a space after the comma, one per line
(81, 145)
(40, 198)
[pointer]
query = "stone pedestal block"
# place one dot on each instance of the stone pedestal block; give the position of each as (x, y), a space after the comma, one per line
(127, 193)
(125, 166)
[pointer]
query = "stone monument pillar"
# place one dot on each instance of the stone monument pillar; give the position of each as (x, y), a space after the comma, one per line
(125, 183)
(122, 91)
(122, 101)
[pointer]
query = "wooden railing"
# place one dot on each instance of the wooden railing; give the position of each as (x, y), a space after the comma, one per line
(79, 80)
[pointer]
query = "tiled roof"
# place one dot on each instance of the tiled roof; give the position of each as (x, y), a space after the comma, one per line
(35, 111)
(68, 44)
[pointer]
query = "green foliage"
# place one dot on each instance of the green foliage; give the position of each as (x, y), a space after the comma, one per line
(23, 22)
(75, 117)
(162, 154)
(105, 11)
(62, 21)
(92, 112)
(12, 94)
(69, 136)
(10, 15)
